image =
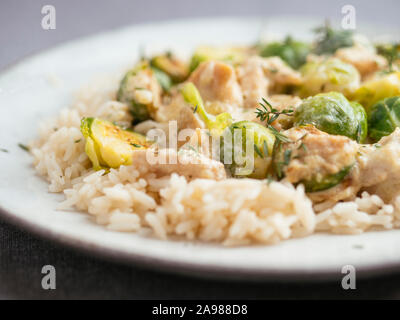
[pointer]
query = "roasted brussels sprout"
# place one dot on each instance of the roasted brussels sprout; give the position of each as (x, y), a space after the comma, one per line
(109, 146)
(313, 158)
(233, 55)
(172, 66)
(329, 40)
(127, 93)
(216, 124)
(163, 79)
(334, 114)
(220, 125)
(329, 75)
(377, 89)
(256, 161)
(384, 118)
(294, 53)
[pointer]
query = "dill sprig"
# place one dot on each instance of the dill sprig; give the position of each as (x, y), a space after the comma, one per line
(391, 52)
(268, 113)
(329, 39)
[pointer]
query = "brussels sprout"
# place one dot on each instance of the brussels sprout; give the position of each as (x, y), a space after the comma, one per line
(294, 53)
(109, 146)
(329, 75)
(384, 118)
(375, 90)
(126, 94)
(173, 67)
(262, 140)
(329, 40)
(216, 124)
(313, 158)
(227, 54)
(334, 114)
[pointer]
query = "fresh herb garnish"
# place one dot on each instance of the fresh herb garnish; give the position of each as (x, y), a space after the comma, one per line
(136, 145)
(257, 150)
(23, 147)
(358, 137)
(77, 141)
(287, 156)
(195, 109)
(3, 150)
(268, 113)
(329, 39)
(391, 52)
(265, 148)
(303, 146)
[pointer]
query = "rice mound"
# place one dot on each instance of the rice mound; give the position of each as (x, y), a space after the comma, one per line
(231, 211)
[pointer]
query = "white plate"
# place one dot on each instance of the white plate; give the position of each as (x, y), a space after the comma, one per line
(27, 95)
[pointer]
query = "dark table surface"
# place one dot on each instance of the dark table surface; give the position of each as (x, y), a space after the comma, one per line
(22, 255)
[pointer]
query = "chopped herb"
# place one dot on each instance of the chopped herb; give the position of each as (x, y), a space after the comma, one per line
(136, 145)
(303, 146)
(359, 132)
(377, 145)
(195, 109)
(286, 156)
(3, 150)
(77, 141)
(269, 179)
(193, 149)
(257, 150)
(265, 148)
(23, 147)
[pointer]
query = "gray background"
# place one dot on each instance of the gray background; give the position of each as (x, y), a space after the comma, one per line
(79, 276)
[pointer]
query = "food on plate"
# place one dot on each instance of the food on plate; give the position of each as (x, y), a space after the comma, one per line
(236, 144)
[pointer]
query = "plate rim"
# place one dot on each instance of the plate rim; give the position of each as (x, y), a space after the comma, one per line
(214, 271)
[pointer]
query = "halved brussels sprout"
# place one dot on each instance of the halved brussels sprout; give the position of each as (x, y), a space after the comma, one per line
(216, 124)
(377, 89)
(173, 67)
(140, 89)
(329, 75)
(384, 118)
(109, 146)
(313, 158)
(261, 150)
(334, 114)
(233, 55)
(294, 53)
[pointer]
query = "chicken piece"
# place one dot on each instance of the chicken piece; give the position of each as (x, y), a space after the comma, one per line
(280, 74)
(216, 81)
(253, 81)
(178, 109)
(259, 77)
(203, 142)
(380, 167)
(188, 163)
(322, 162)
(364, 59)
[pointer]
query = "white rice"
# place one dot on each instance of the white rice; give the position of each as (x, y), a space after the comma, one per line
(231, 211)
